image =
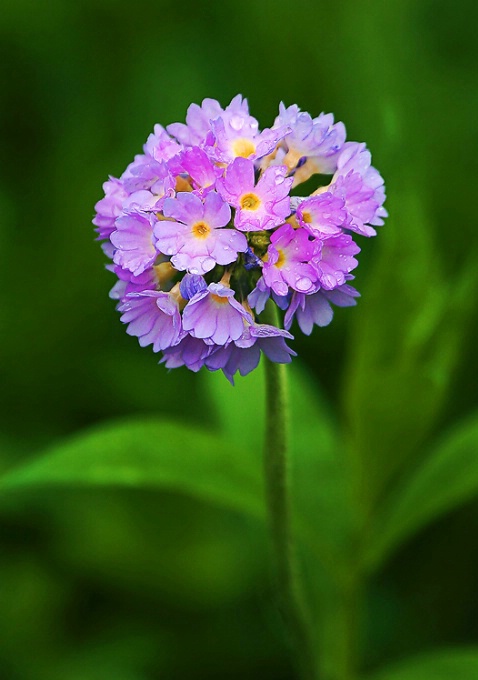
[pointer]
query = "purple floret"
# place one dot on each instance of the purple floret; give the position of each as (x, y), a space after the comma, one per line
(335, 260)
(258, 297)
(107, 210)
(264, 205)
(243, 355)
(361, 187)
(153, 317)
(198, 123)
(196, 239)
(129, 283)
(191, 284)
(317, 140)
(289, 261)
(190, 352)
(160, 145)
(197, 164)
(322, 215)
(214, 314)
(133, 240)
(316, 308)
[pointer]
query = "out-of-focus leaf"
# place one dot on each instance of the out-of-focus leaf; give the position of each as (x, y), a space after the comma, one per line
(406, 344)
(164, 548)
(239, 408)
(318, 473)
(459, 664)
(146, 454)
(447, 478)
(321, 504)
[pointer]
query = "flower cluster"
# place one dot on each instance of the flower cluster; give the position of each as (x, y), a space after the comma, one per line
(208, 224)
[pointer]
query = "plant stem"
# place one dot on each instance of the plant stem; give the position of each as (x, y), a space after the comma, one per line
(291, 602)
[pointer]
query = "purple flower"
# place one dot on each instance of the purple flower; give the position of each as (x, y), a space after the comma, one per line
(317, 140)
(203, 233)
(361, 187)
(288, 261)
(198, 123)
(148, 184)
(153, 317)
(197, 164)
(160, 145)
(259, 206)
(322, 215)
(133, 240)
(237, 135)
(192, 284)
(149, 174)
(190, 352)
(258, 297)
(234, 131)
(214, 314)
(108, 209)
(129, 283)
(196, 241)
(316, 308)
(243, 355)
(335, 260)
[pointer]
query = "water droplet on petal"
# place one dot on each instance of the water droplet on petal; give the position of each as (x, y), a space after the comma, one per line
(236, 123)
(303, 284)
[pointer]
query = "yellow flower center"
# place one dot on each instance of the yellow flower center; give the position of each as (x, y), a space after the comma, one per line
(306, 217)
(281, 261)
(243, 147)
(201, 230)
(218, 299)
(250, 202)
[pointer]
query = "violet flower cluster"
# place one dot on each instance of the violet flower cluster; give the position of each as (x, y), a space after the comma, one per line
(209, 224)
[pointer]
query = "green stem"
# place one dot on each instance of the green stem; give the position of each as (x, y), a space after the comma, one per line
(291, 602)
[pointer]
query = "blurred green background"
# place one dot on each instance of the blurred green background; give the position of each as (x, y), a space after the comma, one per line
(141, 584)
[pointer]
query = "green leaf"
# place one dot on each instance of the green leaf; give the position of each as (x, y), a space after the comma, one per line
(447, 478)
(406, 344)
(461, 664)
(322, 509)
(225, 469)
(239, 409)
(147, 454)
(318, 473)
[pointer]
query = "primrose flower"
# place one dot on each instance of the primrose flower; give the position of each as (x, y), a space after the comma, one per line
(214, 314)
(313, 144)
(289, 261)
(133, 240)
(153, 317)
(196, 240)
(208, 225)
(322, 215)
(264, 205)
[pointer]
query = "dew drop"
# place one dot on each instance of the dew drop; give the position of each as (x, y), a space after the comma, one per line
(236, 123)
(303, 284)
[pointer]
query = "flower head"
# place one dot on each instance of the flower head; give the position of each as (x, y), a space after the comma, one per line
(202, 232)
